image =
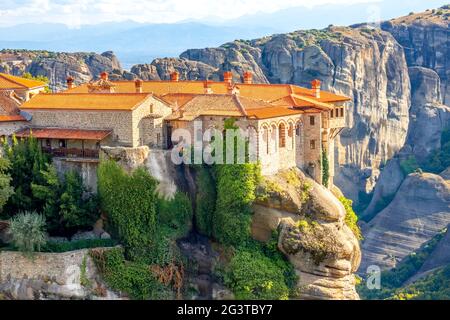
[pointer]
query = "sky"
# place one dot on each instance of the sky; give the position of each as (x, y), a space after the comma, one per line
(80, 12)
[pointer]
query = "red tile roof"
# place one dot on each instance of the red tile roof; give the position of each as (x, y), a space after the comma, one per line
(266, 92)
(12, 118)
(86, 101)
(8, 81)
(9, 107)
(57, 133)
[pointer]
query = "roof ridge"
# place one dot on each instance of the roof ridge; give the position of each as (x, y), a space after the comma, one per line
(98, 93)
(241, 107)
(13, 81)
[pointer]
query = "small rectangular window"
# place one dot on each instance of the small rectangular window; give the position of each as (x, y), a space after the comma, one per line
(62, 143)
(342, 112)
(332, 113)
(151, 108)
(312, 120)
(312, 144)
(158, 139)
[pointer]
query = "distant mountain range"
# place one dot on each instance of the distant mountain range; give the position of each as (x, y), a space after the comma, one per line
(136, 43)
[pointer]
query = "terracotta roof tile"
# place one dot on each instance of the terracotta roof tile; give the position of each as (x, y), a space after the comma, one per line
(8, 81)
(12, 118)
(266, 92)
(8, 104)
(86, 101)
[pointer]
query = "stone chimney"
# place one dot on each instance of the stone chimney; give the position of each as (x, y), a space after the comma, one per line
(138, 85)
(315, 86)
(104, 75)
(174, 76)
(70, 82)
(228, 77)
(233, 89)
(207, 87)
(248, 77)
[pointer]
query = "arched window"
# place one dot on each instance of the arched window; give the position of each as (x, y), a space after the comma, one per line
(273, 139)
(291, 134)
(281, 135)
(266, 139)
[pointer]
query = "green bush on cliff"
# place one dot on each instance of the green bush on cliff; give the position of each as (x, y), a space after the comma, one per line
(325, 168)
(236, 185)
(409, 165)
(134, 278)
(252, 275)
(439, 159)
(351, 219)
(205, 201)
(130, 203)
(175, 213)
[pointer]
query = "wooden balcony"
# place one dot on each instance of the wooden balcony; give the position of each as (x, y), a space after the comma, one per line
(72, 152)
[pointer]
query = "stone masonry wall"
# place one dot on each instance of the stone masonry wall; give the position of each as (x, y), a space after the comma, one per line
(8, 128)
(47, 275)
(148, 123)
(119, 121)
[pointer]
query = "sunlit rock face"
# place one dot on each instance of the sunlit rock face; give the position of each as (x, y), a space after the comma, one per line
(313, 235)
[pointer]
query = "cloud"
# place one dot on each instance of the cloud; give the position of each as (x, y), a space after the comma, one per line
(76, 12)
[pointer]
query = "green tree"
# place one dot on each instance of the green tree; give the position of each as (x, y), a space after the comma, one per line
(130, 202)
(67, 204)
(6, 190)
(78, 208)
(28, 231)
(26, 164)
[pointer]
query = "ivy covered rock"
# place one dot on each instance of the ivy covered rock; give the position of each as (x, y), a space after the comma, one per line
(315, 233)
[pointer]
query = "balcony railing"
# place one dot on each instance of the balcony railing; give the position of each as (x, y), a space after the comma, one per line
(72, 152)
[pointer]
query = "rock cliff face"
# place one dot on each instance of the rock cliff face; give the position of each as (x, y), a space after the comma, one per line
(58, 66)
(426, 41)
(313, 234)
(419, 211)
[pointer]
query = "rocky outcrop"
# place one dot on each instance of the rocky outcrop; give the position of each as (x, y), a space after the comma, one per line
(156, 161)
(419, 211)
(313, 234)
(428, 116)
(58, 66)
(426, 40)
(54, 276)
(160, 69)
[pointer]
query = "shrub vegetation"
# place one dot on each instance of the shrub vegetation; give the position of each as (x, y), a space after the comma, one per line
(28, 231)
